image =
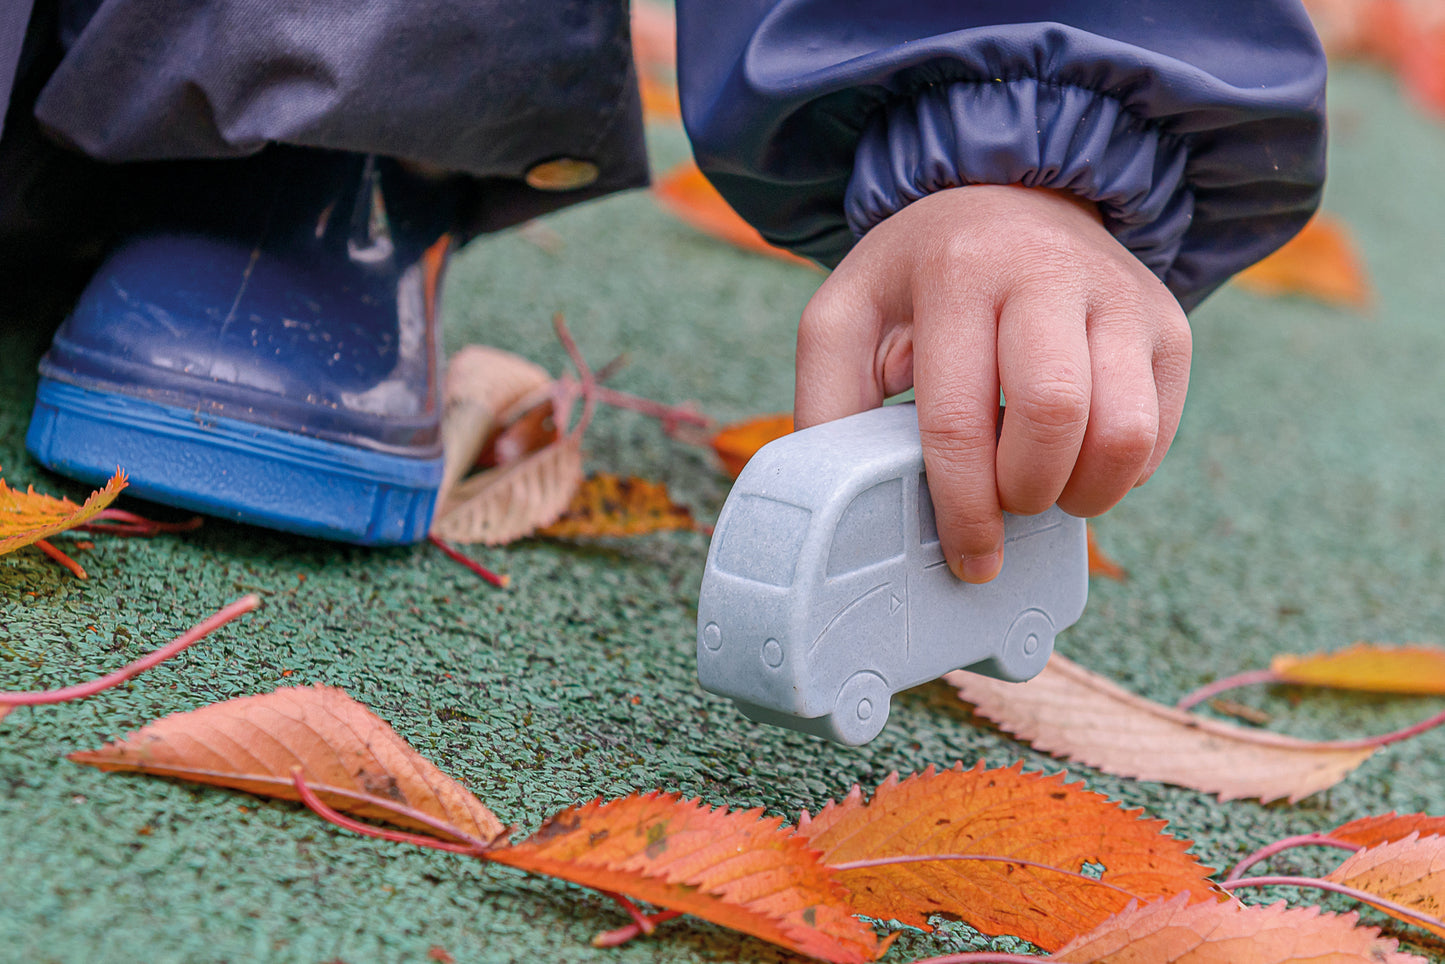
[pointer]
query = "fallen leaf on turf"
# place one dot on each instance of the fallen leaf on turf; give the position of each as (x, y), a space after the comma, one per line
(1100, 564)
(1387, 828)
(1369, 666)
(346, 753)
(29, 516)
(1409, 872)
(738, 869)
(482, 385)
(737, 443)
(1231, 933)
(530, 486)
(1070, 712)
(688, 195)
(1407, 36)
(654, 53)
(607, 505)
(504, 504)
(1319, 262)
(1000, 813)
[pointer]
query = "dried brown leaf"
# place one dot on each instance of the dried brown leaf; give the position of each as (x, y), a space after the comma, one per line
(738, 869)
(1070, 712)
(346, 753)
(1000, 813)
(1229, 933)
(481, 385)
(504, 504)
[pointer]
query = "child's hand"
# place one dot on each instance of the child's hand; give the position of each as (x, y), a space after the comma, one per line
(988, 286)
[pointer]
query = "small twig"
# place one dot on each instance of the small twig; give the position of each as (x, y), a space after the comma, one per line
(197, 632)
(45, 546)
(1363, 896)
(1303, 840)
(466, 844)
(671, 416)
(620, 936)
(1250, 678)
(991, 858)
(501, 582)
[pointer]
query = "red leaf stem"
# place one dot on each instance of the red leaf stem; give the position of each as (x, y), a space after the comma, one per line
(1303, 840)
(1250, 678)
(466, 844)
(196, 633)
(620, 936)
(981, 957)
(45, 546)
(122, 523)
(452, 553)
(1363, 896)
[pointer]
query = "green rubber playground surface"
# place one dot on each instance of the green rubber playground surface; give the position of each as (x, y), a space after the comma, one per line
(1300, 510)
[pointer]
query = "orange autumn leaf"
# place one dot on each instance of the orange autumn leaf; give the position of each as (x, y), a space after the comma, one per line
(692, 199)
(999, 813)
(1410, 872)
(654, 53)
(1387, 828)
(607, 505)
(1368, 666)
(1070, 712)
(738, 869)
(737, 443)
(346, 754)
(1320, 262)
(29, 516)
(1100, 564)
(1231, 933)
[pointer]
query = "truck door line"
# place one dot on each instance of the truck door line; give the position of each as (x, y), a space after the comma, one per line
(840, 613)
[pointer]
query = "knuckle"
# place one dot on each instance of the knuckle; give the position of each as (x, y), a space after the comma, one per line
(1057, 405)
(1125, 440)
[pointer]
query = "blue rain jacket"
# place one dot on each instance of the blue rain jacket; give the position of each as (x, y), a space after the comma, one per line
(1198, 128)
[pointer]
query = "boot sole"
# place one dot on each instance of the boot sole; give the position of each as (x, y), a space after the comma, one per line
(233, 469)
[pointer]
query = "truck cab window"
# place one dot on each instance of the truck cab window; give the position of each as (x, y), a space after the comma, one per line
(870, 530)
(761, 540)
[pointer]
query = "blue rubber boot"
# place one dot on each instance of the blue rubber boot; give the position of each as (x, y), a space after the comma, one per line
(274, 361)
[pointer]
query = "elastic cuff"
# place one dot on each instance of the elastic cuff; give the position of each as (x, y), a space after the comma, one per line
(1025, 132)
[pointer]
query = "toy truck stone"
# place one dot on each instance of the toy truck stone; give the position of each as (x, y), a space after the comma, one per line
(826, 591)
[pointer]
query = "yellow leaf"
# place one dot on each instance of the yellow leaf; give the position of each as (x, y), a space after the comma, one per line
(1369, 666)
(27, 517)
(607, 505)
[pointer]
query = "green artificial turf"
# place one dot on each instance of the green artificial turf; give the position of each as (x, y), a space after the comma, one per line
(1300, 510)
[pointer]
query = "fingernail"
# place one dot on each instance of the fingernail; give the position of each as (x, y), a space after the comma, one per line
(982, 568)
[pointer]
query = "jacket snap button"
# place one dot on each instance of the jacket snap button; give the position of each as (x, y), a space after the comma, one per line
(562, 174)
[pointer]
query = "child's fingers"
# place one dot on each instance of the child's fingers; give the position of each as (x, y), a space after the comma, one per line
(1123, 420)
(837, 369)
(956, 384)
(1172, 353)
(1043, 363)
